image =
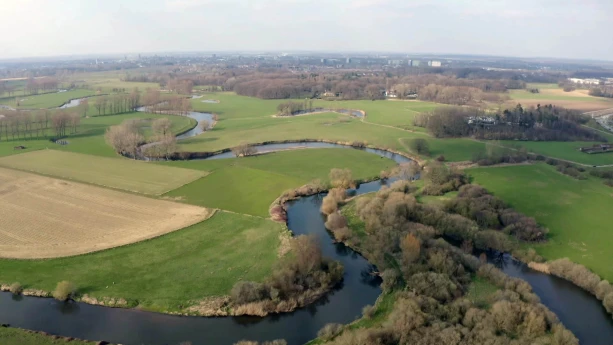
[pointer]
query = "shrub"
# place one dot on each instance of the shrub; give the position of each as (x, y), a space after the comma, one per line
(341, 178)
(440, 158)
(244, 150)
(330, 331)
(64, 291)
(16, 289)
(369, 311)
(244, 292)
(419, 146)
(336, 221)
(330, 202)
(342, 234)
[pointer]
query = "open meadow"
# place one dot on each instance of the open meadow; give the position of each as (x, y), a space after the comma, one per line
(41, 217)
(249, 185)
(551, 94)
(45, 101)
(117, 173)
(167, 273)
(577, 212)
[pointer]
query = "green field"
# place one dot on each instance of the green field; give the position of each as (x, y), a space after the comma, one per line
(89, 138)
(249, 185)
(48, 100)
(124, 174)
(15, 336)
(576, 212)
(567, 150)
(166, 273)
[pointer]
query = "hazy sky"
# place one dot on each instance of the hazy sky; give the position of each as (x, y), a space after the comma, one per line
(544, 28)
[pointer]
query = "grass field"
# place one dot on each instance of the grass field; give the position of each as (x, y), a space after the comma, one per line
(124, 174)
(167, 273)
(89, 138)
(15, 336)
(577, 213)
(49, 100)
(551, 94)
(42, 217)
(567, 150)
(249, 185)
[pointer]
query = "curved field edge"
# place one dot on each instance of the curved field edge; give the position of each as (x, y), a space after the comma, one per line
(165, 274)
(42, 217)
(577, 212)
(250, 184)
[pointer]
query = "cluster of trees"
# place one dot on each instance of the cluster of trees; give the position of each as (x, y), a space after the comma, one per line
(401, 240)
(244, 150)
(602, 92)
(291, 108)
(181, 86)
(547, 123)
(490, 212)
(164, 142)
(37, 124)
(117, 104)
(34, 86)
(153, 101)
(126, 137)
(300, 278)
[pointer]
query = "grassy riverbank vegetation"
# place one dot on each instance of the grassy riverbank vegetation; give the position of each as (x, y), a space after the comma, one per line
(47, 100)
(16, 336)
(168, 273)
(575, 211)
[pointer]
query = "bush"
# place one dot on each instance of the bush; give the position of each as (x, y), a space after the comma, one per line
(341, 178)
(64, 291)
(16, 289)
(369, 311)
(244, 292)
(330, 331)
(336, 221)
(440, 158)
(419, 146)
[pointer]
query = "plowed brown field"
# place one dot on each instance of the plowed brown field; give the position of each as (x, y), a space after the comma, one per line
(42, 217)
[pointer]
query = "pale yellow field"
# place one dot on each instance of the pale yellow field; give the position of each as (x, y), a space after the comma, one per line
(42, 217)
(119, 173)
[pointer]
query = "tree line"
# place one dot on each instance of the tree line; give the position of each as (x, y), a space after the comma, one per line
(546, 123)
(39, 124)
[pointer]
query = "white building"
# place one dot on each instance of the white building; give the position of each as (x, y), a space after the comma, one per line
(584, 81)
(434, 63)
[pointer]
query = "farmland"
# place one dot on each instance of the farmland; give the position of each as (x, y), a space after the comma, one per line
(129, 175)
(552, 94)
(166, 273)
(576, 212)
(43, 217)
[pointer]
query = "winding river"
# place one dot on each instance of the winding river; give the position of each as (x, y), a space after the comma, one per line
(579, 311)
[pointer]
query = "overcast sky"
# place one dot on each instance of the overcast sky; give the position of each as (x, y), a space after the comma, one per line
(530, 28)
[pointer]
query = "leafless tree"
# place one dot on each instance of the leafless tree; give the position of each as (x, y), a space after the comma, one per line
(161, 126)
(244, 150)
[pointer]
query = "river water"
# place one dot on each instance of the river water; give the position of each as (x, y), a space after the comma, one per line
(582, 313)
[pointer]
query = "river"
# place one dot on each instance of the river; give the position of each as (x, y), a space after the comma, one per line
(580, 312)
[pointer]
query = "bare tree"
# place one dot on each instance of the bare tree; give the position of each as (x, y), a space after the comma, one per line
(204, 125)
(124, 139)
(161, 126)
(341, 178)
(244, 150)
(408, 171)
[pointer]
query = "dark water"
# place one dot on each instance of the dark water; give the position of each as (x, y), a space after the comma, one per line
(194, 115)
(315, 145)
(71, 104)
(582, 313)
